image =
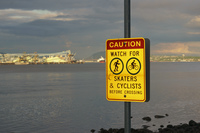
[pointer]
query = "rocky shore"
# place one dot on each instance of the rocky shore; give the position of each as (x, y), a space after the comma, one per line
(190, 127)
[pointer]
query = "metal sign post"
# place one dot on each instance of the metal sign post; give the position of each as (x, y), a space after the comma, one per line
(128, 69)
(127, 34)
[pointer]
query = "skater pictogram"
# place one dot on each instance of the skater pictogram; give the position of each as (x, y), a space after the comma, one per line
(116, 66)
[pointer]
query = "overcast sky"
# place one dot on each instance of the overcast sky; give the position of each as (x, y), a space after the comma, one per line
(83, 26)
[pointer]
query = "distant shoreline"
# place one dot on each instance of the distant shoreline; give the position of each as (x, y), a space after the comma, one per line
(183, 58)
(85, 62)
(42, 63)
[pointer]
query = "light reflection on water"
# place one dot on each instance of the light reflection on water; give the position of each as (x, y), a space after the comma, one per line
(71, 98)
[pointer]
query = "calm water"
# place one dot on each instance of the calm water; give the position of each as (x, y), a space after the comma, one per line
(70, 98)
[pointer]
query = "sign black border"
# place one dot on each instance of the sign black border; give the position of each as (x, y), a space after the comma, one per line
(147, 50)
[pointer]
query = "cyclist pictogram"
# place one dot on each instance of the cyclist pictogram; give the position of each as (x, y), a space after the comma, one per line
(133, 66)
(116, 66)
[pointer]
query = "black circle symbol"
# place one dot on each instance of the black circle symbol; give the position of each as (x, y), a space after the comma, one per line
(116, 66)
(133, 66)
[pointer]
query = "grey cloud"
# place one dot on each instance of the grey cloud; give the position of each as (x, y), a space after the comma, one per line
(45, 28)
(94, 21)
(37, 4)
(163, 21)
(54, 5)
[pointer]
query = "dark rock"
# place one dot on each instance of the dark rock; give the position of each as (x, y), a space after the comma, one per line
(114, 130)
(92, 131)
(192, 123)
(145, 126)
(169, 126)
(142, 131)
(159, 116)
(191, 127)
(166, 115)
(160, 129)
(111, 130)
(121, 130)
(184, 125)
(167, 130)
(161, 126)
(146, 118)
(103, 131)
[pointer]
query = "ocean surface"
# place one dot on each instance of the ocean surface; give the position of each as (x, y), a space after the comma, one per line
(71, 98)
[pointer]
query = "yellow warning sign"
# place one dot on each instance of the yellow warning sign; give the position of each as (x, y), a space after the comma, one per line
(126, 69)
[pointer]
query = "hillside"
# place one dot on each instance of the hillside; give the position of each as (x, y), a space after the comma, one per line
(97, 55)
